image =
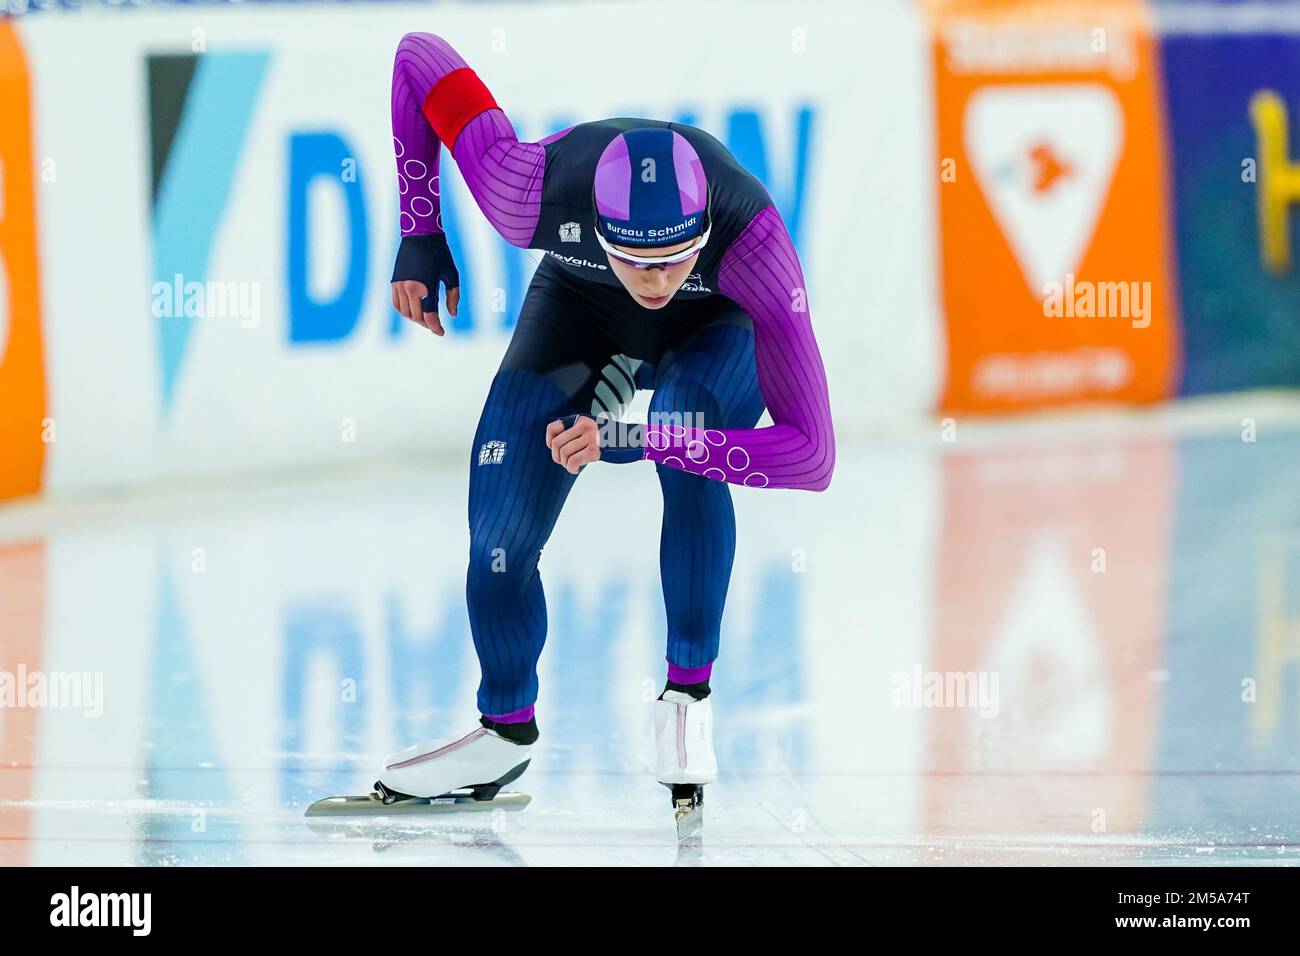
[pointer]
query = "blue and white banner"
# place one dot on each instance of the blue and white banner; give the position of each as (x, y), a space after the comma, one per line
(218, 215)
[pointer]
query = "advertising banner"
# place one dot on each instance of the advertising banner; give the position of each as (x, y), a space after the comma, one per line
(22, 362)
(219, 218)
(1056, 277)
(1233, 101)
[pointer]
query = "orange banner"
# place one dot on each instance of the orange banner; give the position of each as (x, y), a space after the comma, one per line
(1057, 277)
(22, 359)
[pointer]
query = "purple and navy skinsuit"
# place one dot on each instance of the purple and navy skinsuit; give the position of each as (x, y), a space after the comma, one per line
(736, 338)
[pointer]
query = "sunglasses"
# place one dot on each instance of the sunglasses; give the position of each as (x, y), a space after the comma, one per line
(652, 262)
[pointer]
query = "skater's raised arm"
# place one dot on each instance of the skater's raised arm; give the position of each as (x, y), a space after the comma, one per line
(761, 273)
(438, 100)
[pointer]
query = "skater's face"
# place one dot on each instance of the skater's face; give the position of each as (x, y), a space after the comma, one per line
(653, 287)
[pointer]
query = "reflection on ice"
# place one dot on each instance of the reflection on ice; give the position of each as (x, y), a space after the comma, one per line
(1121, 606)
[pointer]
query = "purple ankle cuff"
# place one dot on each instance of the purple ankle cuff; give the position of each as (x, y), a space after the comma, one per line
(514, 717)
(688, 675)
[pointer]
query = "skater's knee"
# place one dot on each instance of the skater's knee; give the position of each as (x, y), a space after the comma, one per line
(685, 403)
(684, 489)
(499, 563)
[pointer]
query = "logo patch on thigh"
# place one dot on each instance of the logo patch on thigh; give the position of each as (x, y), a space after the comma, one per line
(492, 453)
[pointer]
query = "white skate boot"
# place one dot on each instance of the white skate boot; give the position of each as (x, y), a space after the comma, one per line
(479, 760)
(463, 772)
(684, 757)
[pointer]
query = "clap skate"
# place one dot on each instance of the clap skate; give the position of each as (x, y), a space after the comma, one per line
(685, 761)
(437, 778)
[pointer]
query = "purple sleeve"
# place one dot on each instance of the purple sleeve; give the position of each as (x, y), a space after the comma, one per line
(503, 175)
(761, 273)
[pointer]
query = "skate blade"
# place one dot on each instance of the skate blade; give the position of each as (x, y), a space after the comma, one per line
(688, 811)
(690, 825)
(371, 805)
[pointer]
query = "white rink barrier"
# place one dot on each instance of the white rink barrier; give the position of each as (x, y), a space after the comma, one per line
(214, 266)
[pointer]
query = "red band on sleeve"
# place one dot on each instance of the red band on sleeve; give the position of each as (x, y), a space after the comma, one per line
(456, 99)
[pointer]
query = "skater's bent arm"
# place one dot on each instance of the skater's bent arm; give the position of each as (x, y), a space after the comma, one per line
(437, 99)
(761, 273)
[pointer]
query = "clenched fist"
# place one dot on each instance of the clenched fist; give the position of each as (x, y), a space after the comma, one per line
(575, 446)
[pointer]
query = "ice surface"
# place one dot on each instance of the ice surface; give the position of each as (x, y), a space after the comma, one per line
(1132, 584)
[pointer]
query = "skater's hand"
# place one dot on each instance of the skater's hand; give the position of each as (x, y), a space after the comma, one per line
(408, 299)
(576, 446)
(425, 262)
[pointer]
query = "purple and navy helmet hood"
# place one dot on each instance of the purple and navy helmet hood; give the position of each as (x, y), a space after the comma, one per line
(650, 189)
